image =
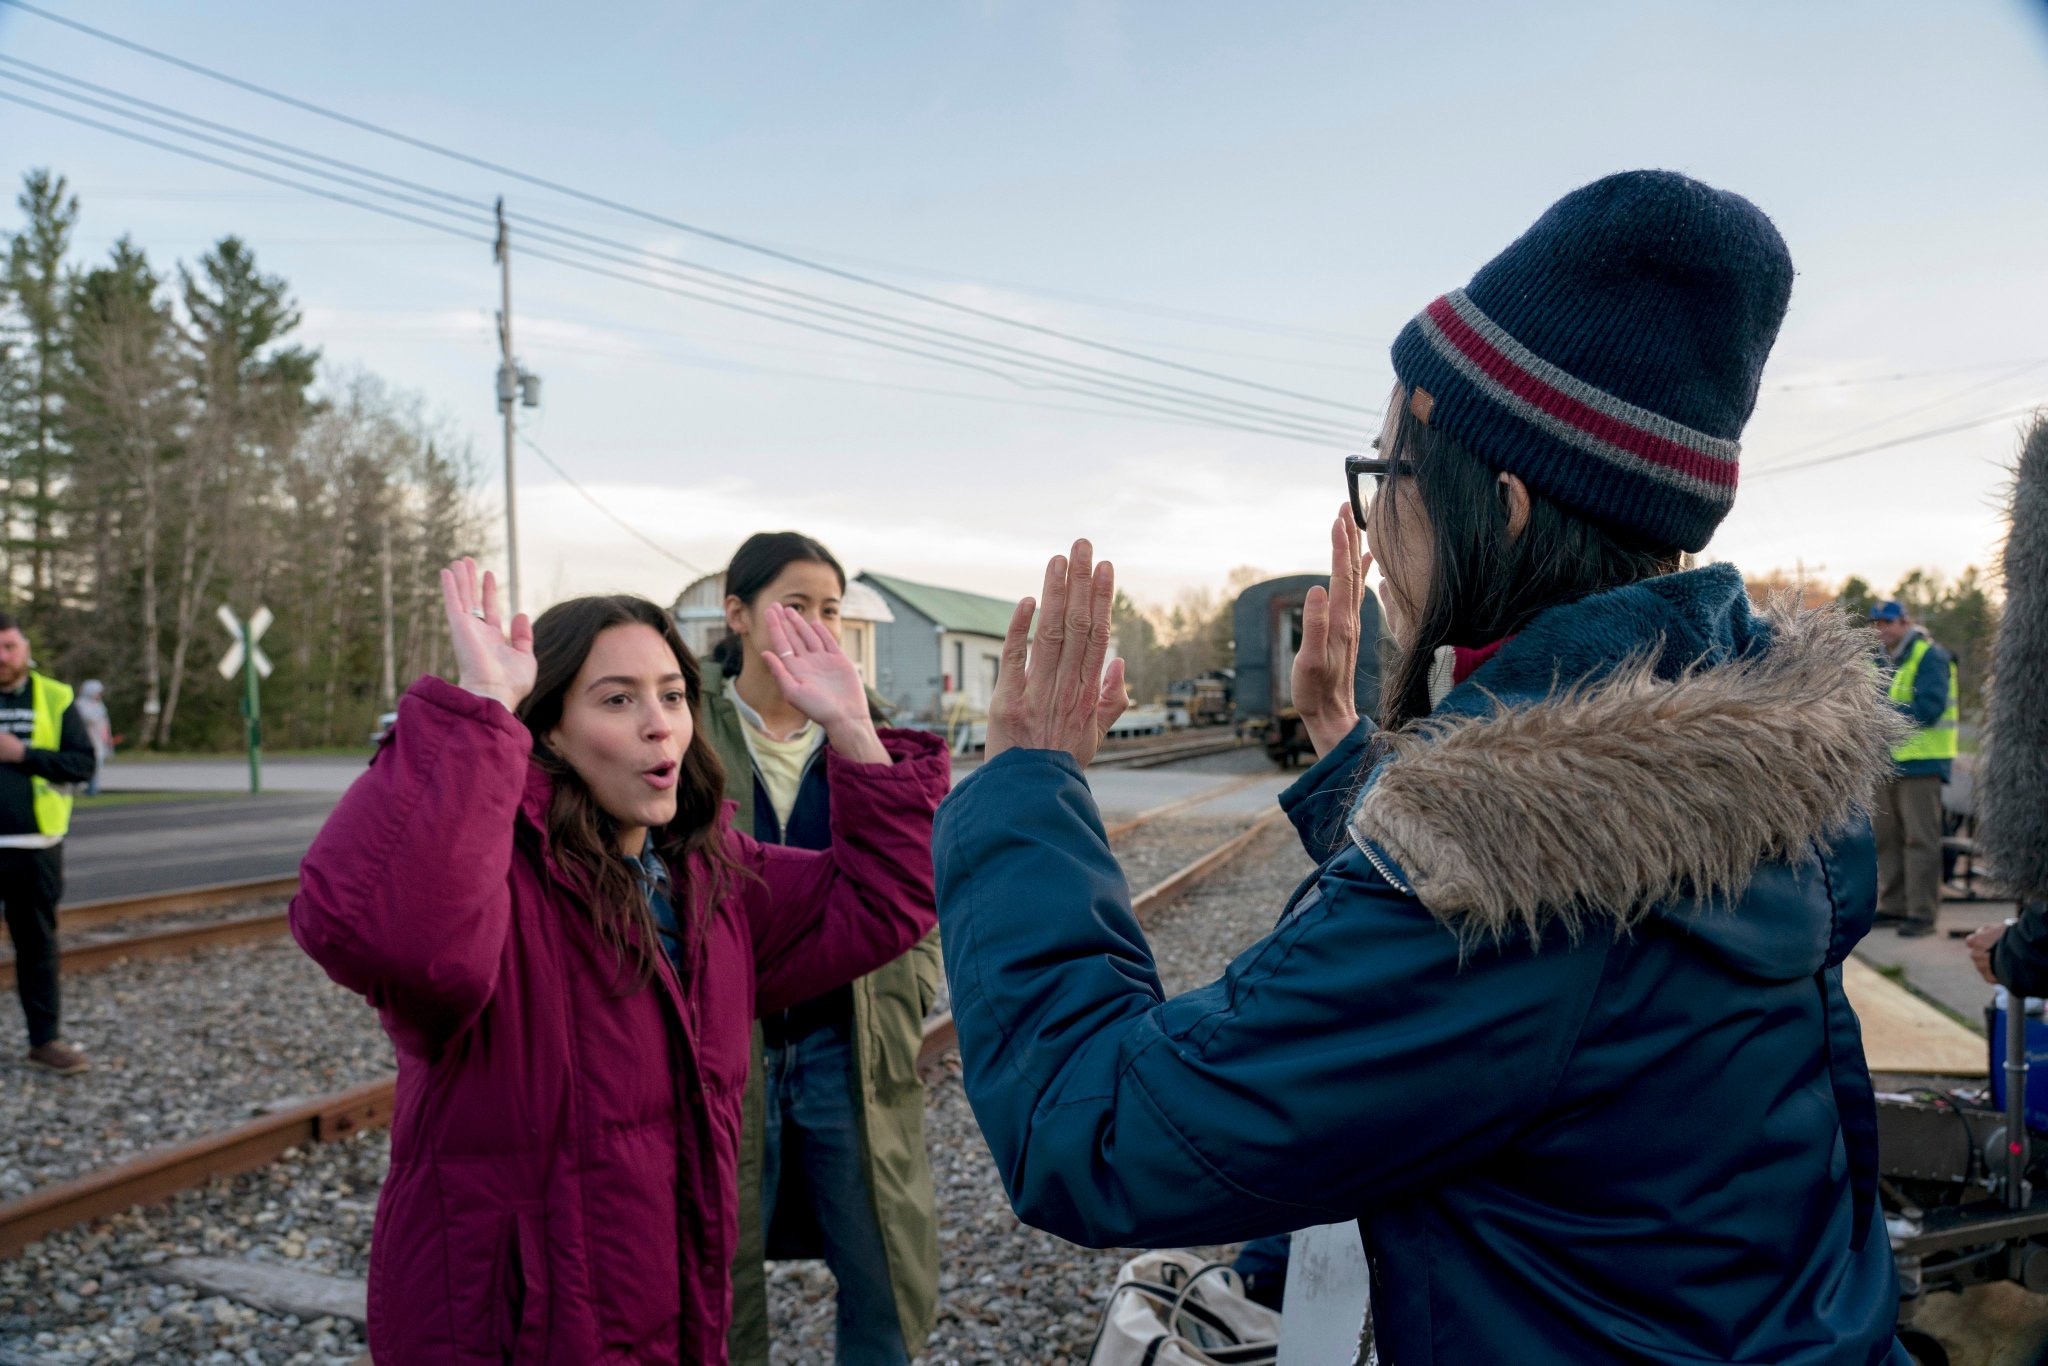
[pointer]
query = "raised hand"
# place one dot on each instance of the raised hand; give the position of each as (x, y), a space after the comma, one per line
(1053, 691)
(488, 661)
(821, 682)
(1327, 663)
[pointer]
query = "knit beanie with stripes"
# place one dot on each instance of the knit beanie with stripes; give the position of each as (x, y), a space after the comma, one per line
(1610, 356)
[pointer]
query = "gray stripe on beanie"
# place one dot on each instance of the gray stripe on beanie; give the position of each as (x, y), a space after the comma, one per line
(1721, 495)
(1713, 447)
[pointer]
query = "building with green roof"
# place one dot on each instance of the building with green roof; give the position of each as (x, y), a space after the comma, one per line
(937, 660)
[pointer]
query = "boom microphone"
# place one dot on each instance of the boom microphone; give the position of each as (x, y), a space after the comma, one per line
(2013, 798)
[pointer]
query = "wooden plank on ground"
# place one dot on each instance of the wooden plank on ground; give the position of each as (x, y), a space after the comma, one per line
(267, 1286)
(1902, 1033)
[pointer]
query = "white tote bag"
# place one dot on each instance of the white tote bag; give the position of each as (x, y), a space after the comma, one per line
(1174, 1309)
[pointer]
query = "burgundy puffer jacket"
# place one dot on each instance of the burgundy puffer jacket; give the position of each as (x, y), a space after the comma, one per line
(562, 1157)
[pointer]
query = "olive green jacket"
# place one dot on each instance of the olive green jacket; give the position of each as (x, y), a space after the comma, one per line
(889, 1007)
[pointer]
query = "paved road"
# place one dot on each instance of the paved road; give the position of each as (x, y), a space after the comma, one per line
(232, 775)
(163, 846)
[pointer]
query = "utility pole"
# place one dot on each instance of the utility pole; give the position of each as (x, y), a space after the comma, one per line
(516, 389)
(508, 379)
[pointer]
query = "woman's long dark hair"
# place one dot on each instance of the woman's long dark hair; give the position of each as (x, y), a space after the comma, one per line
(582, 836)
(755, 565)
(1485, 583)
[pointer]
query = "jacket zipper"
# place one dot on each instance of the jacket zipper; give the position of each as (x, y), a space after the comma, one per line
(1379, 864)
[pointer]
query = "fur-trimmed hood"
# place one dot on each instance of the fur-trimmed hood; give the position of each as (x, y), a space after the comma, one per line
(1645, 748)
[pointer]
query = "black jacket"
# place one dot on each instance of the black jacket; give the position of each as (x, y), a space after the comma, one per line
(71, 762)
(2020, 957)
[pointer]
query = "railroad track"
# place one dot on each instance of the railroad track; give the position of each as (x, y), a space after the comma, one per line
(1173, 751)
(163, 1172)
(93, 954)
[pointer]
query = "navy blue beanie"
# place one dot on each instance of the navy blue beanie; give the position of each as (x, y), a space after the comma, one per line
(1610, 356)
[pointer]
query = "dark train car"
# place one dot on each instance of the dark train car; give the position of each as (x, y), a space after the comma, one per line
(1266, 627)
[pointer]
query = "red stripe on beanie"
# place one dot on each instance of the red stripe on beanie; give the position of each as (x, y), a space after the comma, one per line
(1604, 427)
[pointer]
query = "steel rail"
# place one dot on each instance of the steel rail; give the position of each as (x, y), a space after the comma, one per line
(1152, 755)
(95, 954)
(163, 1172)
(90, 914)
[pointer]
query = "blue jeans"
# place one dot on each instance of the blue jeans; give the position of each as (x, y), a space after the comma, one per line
(814, 1119)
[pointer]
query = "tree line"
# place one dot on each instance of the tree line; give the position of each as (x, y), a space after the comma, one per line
(167, 447)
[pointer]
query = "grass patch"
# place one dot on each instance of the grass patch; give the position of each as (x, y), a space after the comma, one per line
(175, 756)
(1895, 971)
(106, 799)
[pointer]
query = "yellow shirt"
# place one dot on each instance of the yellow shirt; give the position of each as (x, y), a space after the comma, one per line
(778, 764)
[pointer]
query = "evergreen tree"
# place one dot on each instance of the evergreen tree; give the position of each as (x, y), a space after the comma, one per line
(35, 459)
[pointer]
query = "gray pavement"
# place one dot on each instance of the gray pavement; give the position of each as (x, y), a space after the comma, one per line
(1938, 966)
(162, 846)
(1124, 792)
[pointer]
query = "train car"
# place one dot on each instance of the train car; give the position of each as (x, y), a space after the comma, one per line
(1266, 627)
(1203, 701)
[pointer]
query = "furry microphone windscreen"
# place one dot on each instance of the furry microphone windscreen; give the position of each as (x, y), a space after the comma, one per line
(2013, 793)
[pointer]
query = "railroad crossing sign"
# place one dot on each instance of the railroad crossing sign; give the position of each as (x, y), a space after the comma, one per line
(245, 642)
(254, 664)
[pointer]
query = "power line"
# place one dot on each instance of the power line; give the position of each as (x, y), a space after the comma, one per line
(1296, 429)
(1209, 419)
(243, 134)
(593, 500)
(1913, 411)
(903, 328)
(708, 362)
(663, 220)
(747, 288)
(1929, 435)
(1800, 386)
(1325, 336)
(161, 145)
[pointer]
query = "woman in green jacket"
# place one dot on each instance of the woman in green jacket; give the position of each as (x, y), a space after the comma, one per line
(832, 1159)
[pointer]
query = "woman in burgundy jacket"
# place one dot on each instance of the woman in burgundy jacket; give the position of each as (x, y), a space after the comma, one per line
(537, 885)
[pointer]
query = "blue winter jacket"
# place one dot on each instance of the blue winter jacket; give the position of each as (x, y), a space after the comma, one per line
(1558, 1018)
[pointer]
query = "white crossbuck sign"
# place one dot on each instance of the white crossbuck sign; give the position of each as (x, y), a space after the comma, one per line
(231, 662)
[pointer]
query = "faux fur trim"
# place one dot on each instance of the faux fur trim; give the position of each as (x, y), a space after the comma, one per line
(1609, 799)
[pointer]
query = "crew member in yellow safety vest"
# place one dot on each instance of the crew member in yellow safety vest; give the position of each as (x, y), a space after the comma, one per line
(44, 751)
(1908, 815)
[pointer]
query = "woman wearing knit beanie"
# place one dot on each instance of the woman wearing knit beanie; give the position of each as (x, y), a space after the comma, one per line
(1558, 1019)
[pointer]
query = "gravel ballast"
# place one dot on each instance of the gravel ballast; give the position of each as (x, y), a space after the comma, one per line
(91, 1295)
(203, 1041)
(182, 1047)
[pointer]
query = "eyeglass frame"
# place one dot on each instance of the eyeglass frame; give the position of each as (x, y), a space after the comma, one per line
(1379, 467)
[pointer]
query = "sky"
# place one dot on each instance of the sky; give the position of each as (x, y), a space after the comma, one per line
(1265, 193)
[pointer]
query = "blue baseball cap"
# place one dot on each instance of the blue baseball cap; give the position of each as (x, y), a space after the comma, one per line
(1889, 610)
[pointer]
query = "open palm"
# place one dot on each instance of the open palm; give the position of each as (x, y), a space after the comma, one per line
(1326, 665)
(488, 660)
(813, 673)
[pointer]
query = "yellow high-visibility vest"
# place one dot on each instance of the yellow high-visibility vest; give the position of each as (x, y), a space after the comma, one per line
(1937, 741)
(52, 802)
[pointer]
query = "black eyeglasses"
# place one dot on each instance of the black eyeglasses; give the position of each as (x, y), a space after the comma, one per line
(1378, 467)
